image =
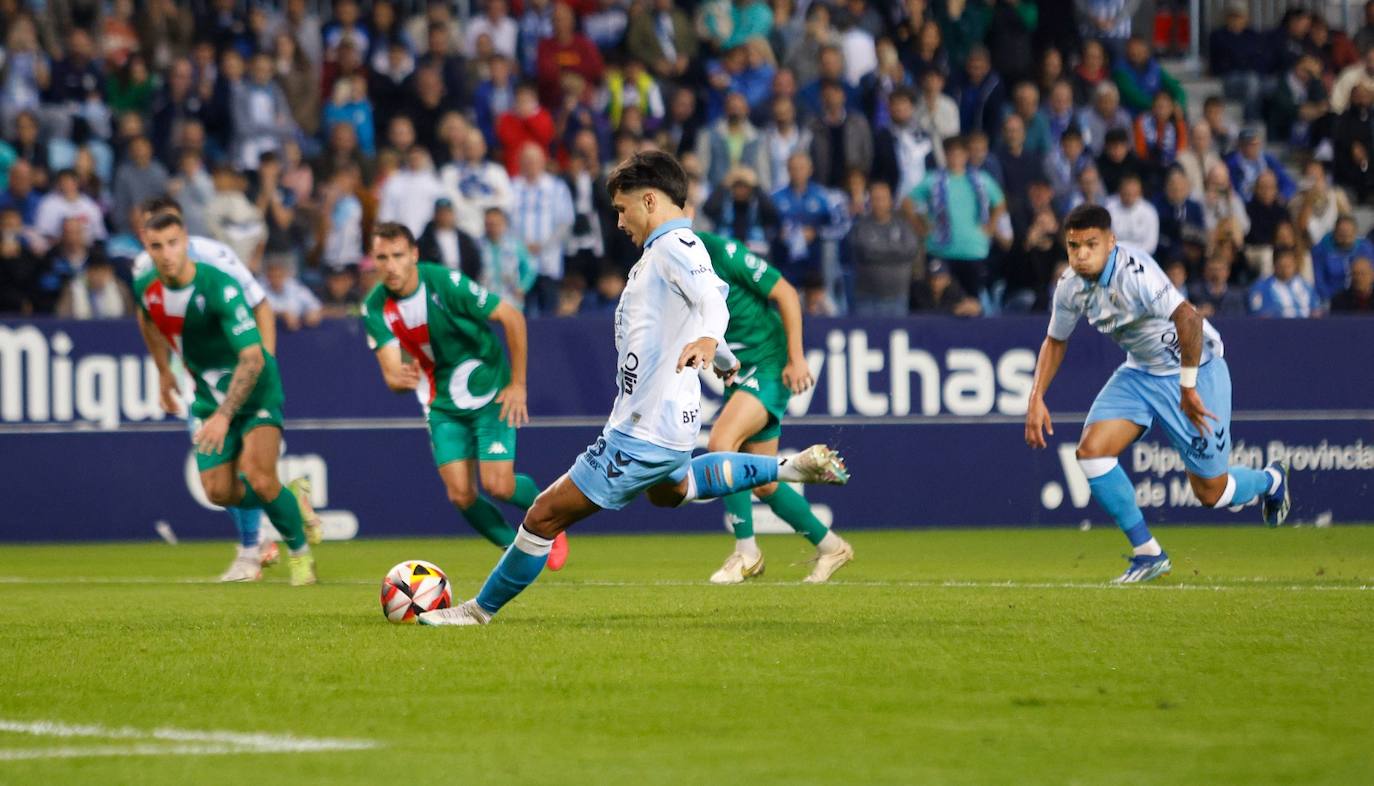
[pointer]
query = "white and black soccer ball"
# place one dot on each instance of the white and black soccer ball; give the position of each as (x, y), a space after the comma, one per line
(414, 587)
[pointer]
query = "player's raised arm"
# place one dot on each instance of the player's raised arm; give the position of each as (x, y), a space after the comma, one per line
(1188, 324)
(796, 375)
(513, 397)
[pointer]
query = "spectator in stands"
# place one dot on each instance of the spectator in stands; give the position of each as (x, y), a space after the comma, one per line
(132, 88)
(389, 87)
(663, 38)
(1331, 258)
(940, 292)
(410, 194)
(30, 147)
(876, 88)
(1298, 111)
(20, 267)
(1286, 236)
(980, 94)
(95, 293)
(349, 107)
(804, 210)
(1352, 139)
(732, 141)
(1108, 22)
(1139, 77)
(340, 298)
(442, 58)
(479, 183)
(234, 220)
(936, 114)
(1160, 136)
(1222, 206)
(1102, 116)
(1091, 72)
(293, 302)
(1318, 204)
(1289, 41)
(1359, 296)
(430, 102)
(506, 266)
(808, 56)
(495, 23)
(285, 236)
(65, 201)
(857, 42)
(138, 178)
(1019, 166)
(1364, 38)
(1037, 249)
(883, 250)
(443, 242)
(743, 211)
(25, 74)
(1240, 57)
(1118, 160)
(1025, 99)
(1284, 294)
(1177, 272)
(1182, 227)
(1250, 159)
(1134, 220)
(980, 157)
(494, 95)
(566, 50)
(958, 211)
(1358, 74)
(1334, 48)
(65, 260)
(783, 136)
(604, 297)
(841, 140)
(300, 82)
(526, 123)
(1064, 163)
(1058, 111)
(193, 188)
(1198, 158)
(831, 69)
(1089, 191)
(543, 217)
(342, 219)
(1214, 295)
(586, 243)
(261, 116)
(20, 194)
(1267, 209)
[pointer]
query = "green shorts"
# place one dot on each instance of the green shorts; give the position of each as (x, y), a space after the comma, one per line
(765, 384)
(245, 422)
(480, 433)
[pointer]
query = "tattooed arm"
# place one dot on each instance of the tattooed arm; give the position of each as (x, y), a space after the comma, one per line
(209, 438)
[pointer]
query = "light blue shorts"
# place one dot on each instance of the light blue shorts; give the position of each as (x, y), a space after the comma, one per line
(1143, 398)
(614, 470)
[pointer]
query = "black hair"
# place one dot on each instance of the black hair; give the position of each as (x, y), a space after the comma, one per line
(1088, 217)
(650, 169)
(162, 203)
(159, 221)
(392, 230)
(957, 141)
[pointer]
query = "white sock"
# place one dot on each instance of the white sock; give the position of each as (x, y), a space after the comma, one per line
(786, 472)
(691, 492)
(531, 543)
(1274, 480)
(830, 543)
(747, 546)
(1149, 548)
(248, 552)
(1228, 494)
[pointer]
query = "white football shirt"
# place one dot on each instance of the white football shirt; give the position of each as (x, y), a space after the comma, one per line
(673, 297)
(1133, 302)
(204, 250)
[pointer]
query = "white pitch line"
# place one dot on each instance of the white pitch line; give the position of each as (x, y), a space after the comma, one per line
(1255, 583)
(190, 741)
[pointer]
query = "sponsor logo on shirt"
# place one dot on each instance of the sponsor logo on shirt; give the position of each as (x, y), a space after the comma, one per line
(628, 377)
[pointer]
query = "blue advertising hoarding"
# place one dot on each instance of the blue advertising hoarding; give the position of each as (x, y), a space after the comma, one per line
(928, 412)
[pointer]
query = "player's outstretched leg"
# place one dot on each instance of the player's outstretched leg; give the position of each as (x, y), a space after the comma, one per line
(247, 564)
(713, 475)
(1277, 500)
(1241, 485)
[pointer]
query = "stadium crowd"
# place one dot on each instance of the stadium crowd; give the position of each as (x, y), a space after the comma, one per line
(888, 157)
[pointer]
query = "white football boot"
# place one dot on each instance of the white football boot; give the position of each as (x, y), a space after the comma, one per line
(737, 568)
(816, 464)
(826, 563)
(245, 567)
(465, 613)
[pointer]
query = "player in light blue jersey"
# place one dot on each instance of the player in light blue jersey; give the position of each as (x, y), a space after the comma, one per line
(670, 321)
(1174, 374)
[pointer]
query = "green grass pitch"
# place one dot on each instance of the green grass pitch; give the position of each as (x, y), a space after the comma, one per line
(946, 657)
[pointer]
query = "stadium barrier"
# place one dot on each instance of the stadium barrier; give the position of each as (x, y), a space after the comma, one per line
(928, 412)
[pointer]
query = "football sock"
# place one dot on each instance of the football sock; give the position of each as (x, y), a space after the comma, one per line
(1243, 485)
(488, 521)
(251, 500)
(749, 547)
(519, 567)
(739, 514)
(1114, 492)
(718, 474)
(248, 522)
(793, 508)
(525, 492)
(829, 543)
(285, 514)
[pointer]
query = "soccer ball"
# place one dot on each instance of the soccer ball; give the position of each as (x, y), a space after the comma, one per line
(412, 587)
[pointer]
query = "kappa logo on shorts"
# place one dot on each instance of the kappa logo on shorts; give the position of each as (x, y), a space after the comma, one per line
(496, 449)
(264, 414)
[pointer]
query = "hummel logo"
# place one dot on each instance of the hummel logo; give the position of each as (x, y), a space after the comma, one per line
(619, 460)
(496, 449)
(687, 243)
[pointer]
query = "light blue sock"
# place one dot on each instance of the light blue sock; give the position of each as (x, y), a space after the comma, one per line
(248, 522)
(1247, 484)
(1114, 492)
(518, 568)
(719, 474)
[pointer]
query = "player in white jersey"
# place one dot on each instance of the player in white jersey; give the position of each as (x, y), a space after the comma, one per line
(254, 550)
(670, 321)
(1174, 374)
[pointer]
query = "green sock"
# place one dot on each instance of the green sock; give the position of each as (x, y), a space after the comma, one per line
(525, 492)
(739, 513)
(285, 514)
(250, 499)
(793, 508)
(489, 523)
